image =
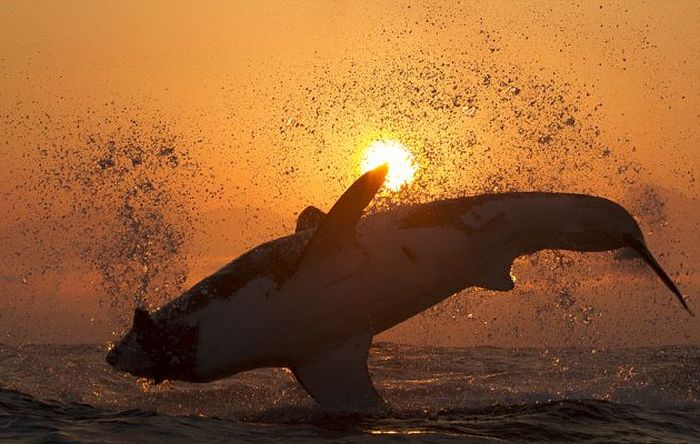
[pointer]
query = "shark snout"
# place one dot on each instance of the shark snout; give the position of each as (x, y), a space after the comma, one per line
(641, 248)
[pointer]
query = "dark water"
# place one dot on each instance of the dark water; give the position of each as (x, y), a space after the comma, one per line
(67, 394)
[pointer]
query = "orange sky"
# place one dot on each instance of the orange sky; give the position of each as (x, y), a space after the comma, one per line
(275, 101)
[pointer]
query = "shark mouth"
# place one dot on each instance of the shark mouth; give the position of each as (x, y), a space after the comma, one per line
(641, 248)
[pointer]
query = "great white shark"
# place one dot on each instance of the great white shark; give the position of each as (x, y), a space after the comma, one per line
(313, 300)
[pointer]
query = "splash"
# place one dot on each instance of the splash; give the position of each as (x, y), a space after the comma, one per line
(126, 193)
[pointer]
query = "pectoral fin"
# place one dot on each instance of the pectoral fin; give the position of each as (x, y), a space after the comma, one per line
(338, 379)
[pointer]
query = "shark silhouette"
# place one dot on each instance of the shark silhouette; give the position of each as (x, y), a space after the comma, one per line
(312, 301)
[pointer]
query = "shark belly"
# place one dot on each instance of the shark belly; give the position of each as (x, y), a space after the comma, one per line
(412, 270)
(390, 277)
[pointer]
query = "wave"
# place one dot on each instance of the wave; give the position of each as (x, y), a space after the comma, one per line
(67, 394)
(25, 418)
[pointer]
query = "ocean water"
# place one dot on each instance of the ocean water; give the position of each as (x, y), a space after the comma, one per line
(61, 393)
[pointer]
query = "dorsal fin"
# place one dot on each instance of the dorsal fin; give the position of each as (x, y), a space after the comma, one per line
(310, 218)
(338, 227)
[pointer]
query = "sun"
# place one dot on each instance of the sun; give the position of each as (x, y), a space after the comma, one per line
(402, 166)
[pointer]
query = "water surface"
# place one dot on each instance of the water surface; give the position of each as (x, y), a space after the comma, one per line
(54, 393)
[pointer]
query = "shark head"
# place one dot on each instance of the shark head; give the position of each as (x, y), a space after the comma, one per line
(509, 225)
(155, 350)
(585, 223)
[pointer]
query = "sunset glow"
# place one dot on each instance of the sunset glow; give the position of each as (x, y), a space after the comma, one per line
(402, 165)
